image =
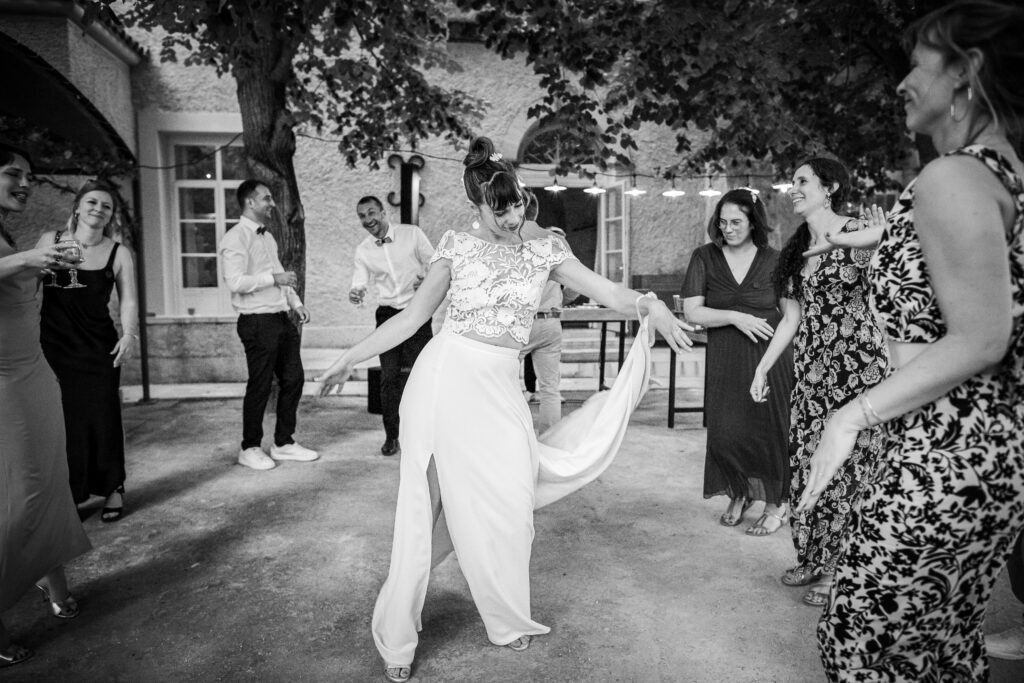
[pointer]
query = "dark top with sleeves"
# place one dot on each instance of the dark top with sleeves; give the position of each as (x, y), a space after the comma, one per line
(747, 447)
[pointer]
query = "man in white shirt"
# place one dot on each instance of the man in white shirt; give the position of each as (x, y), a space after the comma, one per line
(263, 293)
(544, 346)
(395, 257)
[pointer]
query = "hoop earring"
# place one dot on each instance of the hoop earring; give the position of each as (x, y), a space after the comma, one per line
(952, 106)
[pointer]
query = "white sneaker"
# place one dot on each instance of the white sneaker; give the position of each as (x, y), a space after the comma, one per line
(256, 459)
(1006, 645)
(293, 451)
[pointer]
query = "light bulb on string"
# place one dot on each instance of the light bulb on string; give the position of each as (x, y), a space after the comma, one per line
(673, 192)
(709, 191)
(782, 187)
(555, 187)
(635, 191)
(594, 189)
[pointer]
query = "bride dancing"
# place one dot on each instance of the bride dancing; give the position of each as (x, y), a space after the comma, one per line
(467, 436)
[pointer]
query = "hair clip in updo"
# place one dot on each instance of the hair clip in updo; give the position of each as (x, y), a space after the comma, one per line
(496, 156)
(752, 191)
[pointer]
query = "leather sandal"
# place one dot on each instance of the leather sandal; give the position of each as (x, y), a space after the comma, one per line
(112, 514)
(15, 654)
(800, 575)
(759, 527)
(817, 596)
(733, 519)
(520, 643)
(398, 674)
(62, 609)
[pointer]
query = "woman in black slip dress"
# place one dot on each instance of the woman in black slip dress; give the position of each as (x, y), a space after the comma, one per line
(85, 350)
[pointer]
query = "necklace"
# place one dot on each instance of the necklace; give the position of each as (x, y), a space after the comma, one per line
(86, 245)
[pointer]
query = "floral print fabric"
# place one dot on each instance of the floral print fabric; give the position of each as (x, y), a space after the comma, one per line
(930, 537)
(839, 353)
(496, 288)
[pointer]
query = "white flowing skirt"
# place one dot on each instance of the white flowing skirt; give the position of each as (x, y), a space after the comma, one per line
(473, 472)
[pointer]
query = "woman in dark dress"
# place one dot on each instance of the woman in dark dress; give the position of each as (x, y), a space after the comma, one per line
(729, 289)
(85, 350)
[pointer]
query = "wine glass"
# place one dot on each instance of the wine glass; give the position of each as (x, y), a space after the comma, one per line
(72, 253)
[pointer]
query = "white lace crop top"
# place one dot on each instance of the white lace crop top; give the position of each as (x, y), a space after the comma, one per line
(496, 288)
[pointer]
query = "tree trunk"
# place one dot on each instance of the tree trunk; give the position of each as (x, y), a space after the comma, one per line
(270, 146)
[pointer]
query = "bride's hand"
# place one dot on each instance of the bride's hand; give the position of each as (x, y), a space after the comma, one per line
(334, 379)
(671, 328)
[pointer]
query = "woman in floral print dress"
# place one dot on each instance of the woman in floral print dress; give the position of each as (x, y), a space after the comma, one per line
(947, 286)
(838, 354)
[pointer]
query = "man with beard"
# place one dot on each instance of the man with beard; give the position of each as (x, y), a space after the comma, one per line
(263, 292)
(395, 258)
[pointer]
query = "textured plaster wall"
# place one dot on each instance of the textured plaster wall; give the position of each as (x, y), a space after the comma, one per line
(100, 76)
(38, 33)
(104, 79)
(172, 86)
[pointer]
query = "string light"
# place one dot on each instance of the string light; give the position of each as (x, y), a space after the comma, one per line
(673, 192)
(635, 191)
(709, 191)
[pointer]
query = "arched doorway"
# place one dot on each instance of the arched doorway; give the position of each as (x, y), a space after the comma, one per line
(571, 209)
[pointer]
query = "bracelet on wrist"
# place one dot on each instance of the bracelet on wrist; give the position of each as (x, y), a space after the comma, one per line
(871, 417)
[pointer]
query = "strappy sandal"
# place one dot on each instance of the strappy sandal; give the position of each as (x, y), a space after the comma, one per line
(759, 527)
(732, 519)
(62, 609)
(398, 674)
(113, 514)
(15, 654)
(520, 643)
(817, 596)
(800, 575)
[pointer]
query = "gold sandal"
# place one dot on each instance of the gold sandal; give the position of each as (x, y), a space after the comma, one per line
(520, 643)
(758, 528)
(731, 519)
(398, 674)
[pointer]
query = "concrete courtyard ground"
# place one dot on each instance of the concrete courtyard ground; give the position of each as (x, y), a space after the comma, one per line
(221, 573)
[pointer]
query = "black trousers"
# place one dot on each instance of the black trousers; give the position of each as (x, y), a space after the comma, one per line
(395, 365)
(271, 343)
(529, 375)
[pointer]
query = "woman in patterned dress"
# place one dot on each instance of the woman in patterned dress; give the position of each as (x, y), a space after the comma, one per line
(838, 354)
(947, 287)
(729, 290)
(472, 470)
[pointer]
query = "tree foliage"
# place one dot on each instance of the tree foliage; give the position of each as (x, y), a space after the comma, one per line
(768, 79)
(354, 69)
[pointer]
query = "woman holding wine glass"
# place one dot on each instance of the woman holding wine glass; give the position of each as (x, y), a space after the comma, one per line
(84, 348)
(39, 528)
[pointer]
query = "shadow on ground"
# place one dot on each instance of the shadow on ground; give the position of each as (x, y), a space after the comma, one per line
(221, 573)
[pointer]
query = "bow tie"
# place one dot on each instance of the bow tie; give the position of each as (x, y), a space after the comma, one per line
(260, 230)
(382, 242)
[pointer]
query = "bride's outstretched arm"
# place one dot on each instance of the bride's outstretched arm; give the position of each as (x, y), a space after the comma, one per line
(394, 331)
